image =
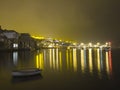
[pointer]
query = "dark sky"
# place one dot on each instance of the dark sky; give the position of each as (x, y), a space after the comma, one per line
(79, 20)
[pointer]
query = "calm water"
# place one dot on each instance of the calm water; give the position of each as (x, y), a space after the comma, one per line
(63, 69)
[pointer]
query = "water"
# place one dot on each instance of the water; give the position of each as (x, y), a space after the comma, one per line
(63, 69)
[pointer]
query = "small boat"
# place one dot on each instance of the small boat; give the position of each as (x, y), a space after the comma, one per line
(20, 79)
(26, 72)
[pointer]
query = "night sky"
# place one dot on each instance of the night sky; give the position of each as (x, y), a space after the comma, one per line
(78, 20)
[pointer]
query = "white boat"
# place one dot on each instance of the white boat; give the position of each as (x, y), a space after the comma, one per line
(26, 72)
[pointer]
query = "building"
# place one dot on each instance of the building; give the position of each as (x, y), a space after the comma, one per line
(8, 38)
(25, 41)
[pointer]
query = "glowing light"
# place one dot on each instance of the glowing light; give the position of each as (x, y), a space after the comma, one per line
(84, 47)
(71, 58)
(90, 60)
(98, 43)
(101, 59)
(54, 58)
(98, 62)
(60, 40)
(82, 44)
(106, 43)
(57, 63)
(82, 61)
(60, 56)
(67, 59)
(15, 45)
(40, 61)
(50, 56)
(74, 60)
(110, 62)
(74, 43)
(90, 44)
(37, 61)
(107, 63)
(95, 45)
(15, 57)
(51, 45)
(53, 55)
(36, 37)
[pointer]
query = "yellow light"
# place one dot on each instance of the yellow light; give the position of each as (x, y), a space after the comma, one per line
(74, 43)
(66, 41)
(98, 43)
(82, 61)
(51, 45)
(70, 58)
(41, 61)
(90, 44)
(107, 63)
(60, 56)
(53, 55)
(95, 45)
(36, 37)
(50, 56)
(74, 60)
(37, 61)
(98, 62)
(57, 63)
(106, 43)
(60, 40)
(90, 60)
(67, 59)
(82, 44)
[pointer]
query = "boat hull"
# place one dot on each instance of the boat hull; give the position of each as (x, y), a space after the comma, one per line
(26, 72)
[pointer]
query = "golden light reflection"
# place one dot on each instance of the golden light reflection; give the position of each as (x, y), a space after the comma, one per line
(107, 63)
(39, 61)
(50, 57)
(90, 61)
(67, 61)
(101, 59)
(83, 60)
(74, 60)
(98, 62)
(55, 59)
(71, 59)
(60, 58)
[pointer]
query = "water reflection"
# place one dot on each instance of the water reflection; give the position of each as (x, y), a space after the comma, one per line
(98, 62)
(64, 60)
(83, 60)
(39, 61)
(15, 58)
(25, 79)
(90, 60)
(23, 59)
(108, 63)
(76, 60)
